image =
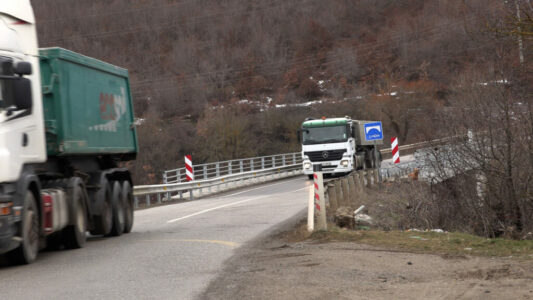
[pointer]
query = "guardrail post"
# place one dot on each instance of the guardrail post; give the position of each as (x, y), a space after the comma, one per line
(217, 171)
(136, 202)
(205, 171)
(241, 166)
(251, 164)
(229, 167)
(262, 163)
(294, 158)
(273, 161)
(158, 198)
(283, 160)
(191, 194)
(165, 181)
(147, 200)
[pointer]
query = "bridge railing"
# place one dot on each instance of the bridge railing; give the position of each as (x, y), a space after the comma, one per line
(235, 166)
(216, 177)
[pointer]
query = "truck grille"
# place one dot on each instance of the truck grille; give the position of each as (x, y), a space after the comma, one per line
(325, 155)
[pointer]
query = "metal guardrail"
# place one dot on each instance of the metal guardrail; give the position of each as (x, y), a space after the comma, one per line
(422, 144)
(239, 172)
(219, 183)
(236, 166)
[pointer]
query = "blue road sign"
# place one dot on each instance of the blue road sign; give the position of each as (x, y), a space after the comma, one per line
(373, 131)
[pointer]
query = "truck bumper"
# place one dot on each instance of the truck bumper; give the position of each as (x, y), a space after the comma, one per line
(8, 241)
(8, 229)
(333, 167)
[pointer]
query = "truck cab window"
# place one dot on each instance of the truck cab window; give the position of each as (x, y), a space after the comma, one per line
(331, 134)
(6, 92)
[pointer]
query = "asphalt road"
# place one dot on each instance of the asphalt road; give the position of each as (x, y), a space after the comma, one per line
(173, 251)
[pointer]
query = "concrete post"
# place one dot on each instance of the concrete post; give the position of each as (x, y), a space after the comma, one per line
(359, 186)
(369, 178)
(332, 195)
(345, 192)
(361, 174)
(311, 210)
(338, 192)
(376, 177)
(351, 189)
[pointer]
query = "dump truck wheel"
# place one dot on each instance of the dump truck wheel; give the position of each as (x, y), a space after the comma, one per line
(104, 221)
(117, 203)
(74, 235)
(127, 196)
(26, 253)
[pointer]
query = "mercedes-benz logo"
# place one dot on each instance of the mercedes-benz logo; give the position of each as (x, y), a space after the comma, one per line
(325, 154)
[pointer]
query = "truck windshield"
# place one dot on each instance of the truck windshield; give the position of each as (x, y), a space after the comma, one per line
(322, 135)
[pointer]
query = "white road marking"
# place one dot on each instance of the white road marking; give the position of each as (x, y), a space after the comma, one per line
(226, 205)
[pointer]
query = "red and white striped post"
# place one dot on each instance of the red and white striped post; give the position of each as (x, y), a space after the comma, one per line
(395, 152)
(317, 203)
(189, 172)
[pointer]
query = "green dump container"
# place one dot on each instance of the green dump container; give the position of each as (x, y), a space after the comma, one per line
(87, 106)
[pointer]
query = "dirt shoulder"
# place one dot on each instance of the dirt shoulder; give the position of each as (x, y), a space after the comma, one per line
(288, 265)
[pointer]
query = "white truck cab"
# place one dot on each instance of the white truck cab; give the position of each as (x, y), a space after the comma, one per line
(340, 145)
(22, 139)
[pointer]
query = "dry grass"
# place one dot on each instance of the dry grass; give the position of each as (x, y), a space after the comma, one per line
(451, 244)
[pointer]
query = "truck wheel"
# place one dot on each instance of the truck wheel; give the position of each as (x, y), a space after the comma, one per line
(74, 235)
(26, 253)
(104, 221)
(118, 210)
(127, 196)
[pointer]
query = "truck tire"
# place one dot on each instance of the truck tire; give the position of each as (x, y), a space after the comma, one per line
(74, 235)
(127, 196)
(117, 203)
(26, 253)
(104, 221)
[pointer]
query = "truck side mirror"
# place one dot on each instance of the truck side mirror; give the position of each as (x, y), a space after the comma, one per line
(23, 68)
(22, 93)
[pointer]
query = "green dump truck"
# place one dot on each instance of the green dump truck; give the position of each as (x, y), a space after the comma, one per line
(66, 124)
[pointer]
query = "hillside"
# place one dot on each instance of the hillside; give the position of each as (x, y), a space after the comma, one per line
(221, 79)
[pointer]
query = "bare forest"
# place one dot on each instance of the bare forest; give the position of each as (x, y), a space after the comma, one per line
(235, 78)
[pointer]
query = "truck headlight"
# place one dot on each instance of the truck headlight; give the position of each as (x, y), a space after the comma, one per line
(307, 165)
(5, 208)
(344, 163)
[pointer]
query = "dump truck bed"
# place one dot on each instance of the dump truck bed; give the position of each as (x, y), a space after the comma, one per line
(87, 106)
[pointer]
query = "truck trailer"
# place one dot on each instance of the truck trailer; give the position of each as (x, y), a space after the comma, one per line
(340, 145)
(66, 124)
